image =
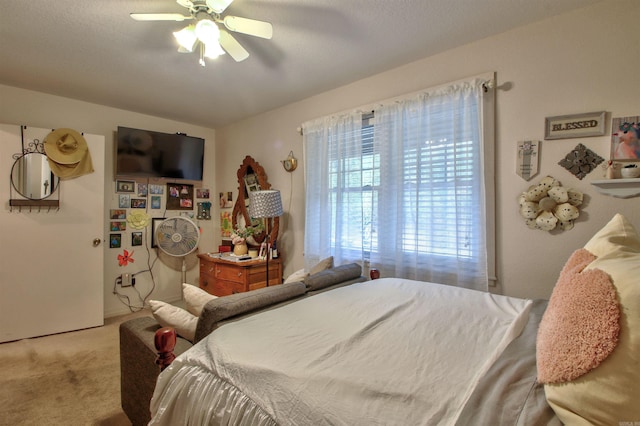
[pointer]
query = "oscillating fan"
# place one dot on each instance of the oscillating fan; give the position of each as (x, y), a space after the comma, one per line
(178, 237)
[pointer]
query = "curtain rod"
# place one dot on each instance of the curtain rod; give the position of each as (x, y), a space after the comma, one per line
(487, 85)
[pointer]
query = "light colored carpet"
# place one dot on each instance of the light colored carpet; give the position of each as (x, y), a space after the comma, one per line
(64, 379)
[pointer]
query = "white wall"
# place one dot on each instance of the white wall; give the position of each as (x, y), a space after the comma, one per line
(583, 61)
(24, 107)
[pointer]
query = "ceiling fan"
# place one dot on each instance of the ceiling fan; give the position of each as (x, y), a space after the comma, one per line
(209, 31)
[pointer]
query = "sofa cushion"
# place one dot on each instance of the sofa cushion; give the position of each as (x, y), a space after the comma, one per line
(333, 276)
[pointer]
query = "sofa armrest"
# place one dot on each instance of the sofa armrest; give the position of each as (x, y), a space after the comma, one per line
(224, 308)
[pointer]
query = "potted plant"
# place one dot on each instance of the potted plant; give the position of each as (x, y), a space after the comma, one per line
(239, 238)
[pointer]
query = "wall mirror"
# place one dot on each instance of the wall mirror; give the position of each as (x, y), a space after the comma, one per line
(32, 178)
(252, 177)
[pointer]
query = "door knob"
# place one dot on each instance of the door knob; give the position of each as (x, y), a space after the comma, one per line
(96, 242)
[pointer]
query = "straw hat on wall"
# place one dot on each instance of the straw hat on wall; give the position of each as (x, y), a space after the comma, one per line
(67, 153)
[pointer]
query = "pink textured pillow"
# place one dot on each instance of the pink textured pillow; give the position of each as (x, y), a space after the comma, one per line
(581, 325)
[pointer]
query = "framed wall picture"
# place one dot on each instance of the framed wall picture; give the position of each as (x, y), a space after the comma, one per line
(575, 126)
(138, 203)
(125, 186)
(154, 226)
(136, 238)
(115, 240)
(625, 138)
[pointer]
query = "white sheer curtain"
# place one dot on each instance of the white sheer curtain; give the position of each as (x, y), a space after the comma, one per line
(402, 187)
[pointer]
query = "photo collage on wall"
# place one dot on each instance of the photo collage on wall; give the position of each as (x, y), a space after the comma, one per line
(135, 196)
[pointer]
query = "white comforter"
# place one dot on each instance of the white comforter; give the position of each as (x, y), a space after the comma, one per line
(384, 352)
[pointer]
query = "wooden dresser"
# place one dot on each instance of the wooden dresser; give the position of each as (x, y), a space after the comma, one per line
(222, 277)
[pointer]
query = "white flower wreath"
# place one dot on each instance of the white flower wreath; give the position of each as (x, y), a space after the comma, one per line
(548, 204)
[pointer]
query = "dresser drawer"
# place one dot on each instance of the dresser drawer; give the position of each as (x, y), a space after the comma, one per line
(226, 288)
(230, 273)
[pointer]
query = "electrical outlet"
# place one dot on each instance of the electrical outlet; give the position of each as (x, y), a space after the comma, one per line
(126, 279)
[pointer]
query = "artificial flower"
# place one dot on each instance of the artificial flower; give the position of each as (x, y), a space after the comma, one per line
(125, 258)
(138, 219)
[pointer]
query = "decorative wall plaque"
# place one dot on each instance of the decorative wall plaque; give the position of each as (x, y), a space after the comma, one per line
(527, 160)
(581, 161)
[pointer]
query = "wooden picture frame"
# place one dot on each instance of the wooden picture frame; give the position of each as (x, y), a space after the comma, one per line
(575, 125)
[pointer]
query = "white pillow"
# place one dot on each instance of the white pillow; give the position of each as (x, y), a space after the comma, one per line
(324, 264)
(298, 275)
(301, 274)
(168, 315)
(195, 298)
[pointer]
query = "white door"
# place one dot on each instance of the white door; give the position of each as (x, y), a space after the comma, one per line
(51, 273)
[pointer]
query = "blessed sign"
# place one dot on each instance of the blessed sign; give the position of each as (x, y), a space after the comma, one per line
(575, 126)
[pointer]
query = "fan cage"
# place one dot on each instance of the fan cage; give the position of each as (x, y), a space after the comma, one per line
(178, 236)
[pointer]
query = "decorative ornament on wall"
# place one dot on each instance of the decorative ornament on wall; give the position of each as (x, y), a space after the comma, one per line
(527, 162)
(549, 205)
(138, 219)
(581, 161)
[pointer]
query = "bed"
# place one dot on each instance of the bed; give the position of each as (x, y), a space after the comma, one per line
(400, 352)
(383, 352)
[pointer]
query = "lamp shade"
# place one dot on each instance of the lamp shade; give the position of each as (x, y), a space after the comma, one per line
(265, 203)
(186, 37)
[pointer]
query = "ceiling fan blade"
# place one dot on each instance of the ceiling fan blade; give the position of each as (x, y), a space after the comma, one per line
(248, 26)
(232, 47)
(159, 17)
(185, 3)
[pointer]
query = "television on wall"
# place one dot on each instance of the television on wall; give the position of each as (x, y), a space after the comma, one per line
(148, 154)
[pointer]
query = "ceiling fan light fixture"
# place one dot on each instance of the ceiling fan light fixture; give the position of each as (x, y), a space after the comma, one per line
(207, 31)
(186, 38)
(213, 50)
(218, 6)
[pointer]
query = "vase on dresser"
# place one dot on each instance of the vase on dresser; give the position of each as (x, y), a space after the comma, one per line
(240, 249)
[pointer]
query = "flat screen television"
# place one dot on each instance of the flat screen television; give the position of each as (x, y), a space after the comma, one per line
(149, 154)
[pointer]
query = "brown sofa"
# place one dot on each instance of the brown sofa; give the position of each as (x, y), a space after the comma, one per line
(138, 370)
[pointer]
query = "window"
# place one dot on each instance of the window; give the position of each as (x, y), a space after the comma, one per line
(403, 187)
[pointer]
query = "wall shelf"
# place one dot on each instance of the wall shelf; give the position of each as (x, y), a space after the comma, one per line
(619, 188)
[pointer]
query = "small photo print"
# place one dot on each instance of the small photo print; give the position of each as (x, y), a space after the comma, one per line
(115, 240)
(186, 203)
(156, 189)
(202, 193)
(625, 138)
(142, 190)
(125, 186)
(118, 226)
(138, 203)
(226, 200)
(124, 201)
(118, 214)
(156, 201)
(136, 238)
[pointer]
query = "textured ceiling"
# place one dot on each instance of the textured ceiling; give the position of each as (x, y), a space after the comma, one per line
(93, 51)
